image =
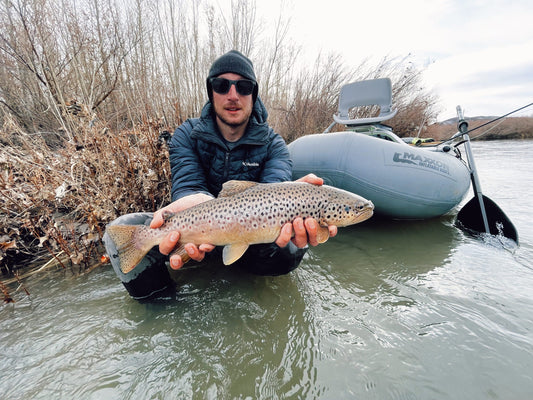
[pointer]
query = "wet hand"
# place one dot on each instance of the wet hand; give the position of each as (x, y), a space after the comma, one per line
(312, 179)
(196, 253)
(189, 251)
(177, 206)
(178, 256)
(305, 232)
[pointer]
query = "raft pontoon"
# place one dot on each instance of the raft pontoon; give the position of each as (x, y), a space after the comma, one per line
(403, 181)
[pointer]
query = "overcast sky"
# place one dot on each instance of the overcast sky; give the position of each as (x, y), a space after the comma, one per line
(477, 53)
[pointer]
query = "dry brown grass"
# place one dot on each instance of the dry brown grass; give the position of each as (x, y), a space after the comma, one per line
(57, 195)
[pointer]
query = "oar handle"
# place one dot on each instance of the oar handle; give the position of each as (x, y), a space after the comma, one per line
(462, 125)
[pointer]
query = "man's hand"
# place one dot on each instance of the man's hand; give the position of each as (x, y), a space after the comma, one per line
(312, 179)
(168, 244)
(178, 205)
(305, 231)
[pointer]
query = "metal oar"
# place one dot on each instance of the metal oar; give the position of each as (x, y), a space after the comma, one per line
(480, 214)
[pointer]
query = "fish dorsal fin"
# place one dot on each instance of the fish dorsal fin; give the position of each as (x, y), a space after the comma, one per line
(232, 252)
(231, 188)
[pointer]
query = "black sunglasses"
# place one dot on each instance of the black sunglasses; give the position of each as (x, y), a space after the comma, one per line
(244, 87)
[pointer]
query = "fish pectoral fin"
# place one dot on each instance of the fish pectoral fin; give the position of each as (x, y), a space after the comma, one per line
(322, 234)
(232, 252)
(231, 188)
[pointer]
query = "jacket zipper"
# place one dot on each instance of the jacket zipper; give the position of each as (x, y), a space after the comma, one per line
(226, 165)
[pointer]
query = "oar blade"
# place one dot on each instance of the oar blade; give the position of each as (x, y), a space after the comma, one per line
(470, 219)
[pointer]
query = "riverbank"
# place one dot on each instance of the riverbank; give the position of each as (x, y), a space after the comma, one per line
(58, 195)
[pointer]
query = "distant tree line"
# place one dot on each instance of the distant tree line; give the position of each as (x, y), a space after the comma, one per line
(67, 64)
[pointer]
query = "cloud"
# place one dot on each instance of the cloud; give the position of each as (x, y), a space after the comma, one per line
(516, 76)
(475, 52)
(492, 80)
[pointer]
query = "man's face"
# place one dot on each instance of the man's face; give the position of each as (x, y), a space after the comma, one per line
(232, 109)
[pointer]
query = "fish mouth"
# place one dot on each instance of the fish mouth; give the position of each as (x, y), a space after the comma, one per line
(366, 212)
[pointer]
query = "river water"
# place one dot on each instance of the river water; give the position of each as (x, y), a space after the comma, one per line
(386, 310)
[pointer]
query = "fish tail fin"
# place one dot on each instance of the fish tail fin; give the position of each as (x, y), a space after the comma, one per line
(130, 246)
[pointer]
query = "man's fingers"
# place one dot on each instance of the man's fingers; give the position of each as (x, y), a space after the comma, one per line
(206, 248)
(300, 233)
(305, 232)
(194, 252)
(157, 220)
(169, 242)
(176, 262)
(285, 235)
(311, 227)
(311, 178)
(197, 253)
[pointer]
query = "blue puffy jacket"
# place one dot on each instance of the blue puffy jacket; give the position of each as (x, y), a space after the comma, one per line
(201, 160)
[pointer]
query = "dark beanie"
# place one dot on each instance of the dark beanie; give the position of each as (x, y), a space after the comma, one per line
(234, 62)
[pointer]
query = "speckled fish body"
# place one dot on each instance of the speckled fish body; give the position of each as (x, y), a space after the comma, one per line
(245, 213)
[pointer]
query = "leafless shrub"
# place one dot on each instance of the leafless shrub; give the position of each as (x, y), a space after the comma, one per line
(310, 101)
(148, 61)
(60, 56)
(416, 105)
(59, 199)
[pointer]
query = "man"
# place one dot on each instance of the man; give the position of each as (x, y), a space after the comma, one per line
(230, 140)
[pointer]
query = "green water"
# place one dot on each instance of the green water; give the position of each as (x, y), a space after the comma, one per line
(386, 310)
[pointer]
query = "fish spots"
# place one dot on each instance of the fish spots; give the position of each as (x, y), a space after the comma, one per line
(267, 207)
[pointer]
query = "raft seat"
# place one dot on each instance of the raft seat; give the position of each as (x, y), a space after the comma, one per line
(365, 93)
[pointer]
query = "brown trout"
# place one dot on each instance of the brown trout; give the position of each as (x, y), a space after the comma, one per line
(244, 213)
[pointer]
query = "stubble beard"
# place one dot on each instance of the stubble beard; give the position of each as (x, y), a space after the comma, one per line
(235, 124)
(231, 124)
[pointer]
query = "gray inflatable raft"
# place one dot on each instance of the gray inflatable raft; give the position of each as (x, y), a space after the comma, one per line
(403, 181)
